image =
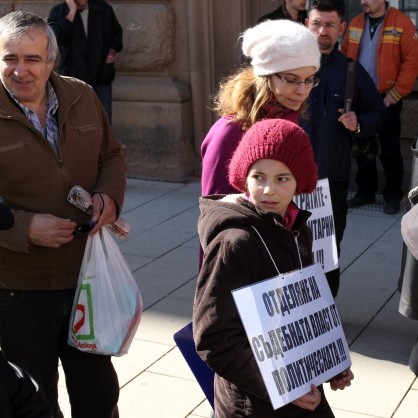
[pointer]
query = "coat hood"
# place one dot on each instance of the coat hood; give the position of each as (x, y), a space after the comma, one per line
(220, 212)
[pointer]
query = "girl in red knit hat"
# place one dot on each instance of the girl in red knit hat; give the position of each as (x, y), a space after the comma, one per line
(273, 162)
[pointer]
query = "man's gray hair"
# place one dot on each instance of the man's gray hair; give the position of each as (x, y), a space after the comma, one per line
(17, 24)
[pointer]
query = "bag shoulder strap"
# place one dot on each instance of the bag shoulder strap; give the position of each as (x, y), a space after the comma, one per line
(271, 257)
(349, 85)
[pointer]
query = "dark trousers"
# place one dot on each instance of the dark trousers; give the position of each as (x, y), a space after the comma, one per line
(104, 93)
(338, 191)
(33, 335)
(413, 360)
(390, 157)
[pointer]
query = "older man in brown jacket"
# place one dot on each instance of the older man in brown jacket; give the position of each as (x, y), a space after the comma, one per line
(54, 134)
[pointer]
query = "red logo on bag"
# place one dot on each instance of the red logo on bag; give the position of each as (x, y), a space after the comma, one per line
(82, 316)
(81, 321)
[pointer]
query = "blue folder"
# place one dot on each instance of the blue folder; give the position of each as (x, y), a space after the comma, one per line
(203, 374)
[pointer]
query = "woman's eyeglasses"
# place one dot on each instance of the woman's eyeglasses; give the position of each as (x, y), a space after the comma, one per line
(309, 82)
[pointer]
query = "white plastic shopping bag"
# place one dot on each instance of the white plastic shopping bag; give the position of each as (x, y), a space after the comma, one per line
(107, 306)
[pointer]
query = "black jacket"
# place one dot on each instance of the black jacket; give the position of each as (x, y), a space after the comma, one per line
(281, 13)
(331, 141)
(408, 284)
(84, 57)
(19, 394)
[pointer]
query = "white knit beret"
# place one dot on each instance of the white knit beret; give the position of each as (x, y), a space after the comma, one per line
(280, 45)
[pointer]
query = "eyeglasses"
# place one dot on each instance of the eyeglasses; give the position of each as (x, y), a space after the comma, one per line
(309, 82)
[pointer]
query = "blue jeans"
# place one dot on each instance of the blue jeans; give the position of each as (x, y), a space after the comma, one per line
(104, 93)
(33, 335)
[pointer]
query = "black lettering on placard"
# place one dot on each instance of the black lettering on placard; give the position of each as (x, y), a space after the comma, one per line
(312, 200)
(266, 347)
(340, 344)
(256, 348)
(321, 322)
(334, 314)
(276, 343)
(268, 304)
(284, 338)
(301, 371)
(283, 299)
(318, 257)
(314, 288)
(279, 382)
(322, 227)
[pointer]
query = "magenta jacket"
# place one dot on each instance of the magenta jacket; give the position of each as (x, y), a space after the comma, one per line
(217, 150)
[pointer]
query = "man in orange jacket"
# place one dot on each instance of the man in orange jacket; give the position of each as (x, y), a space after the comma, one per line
(384, 40)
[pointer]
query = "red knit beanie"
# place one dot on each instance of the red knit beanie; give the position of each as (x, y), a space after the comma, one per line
(276, 139)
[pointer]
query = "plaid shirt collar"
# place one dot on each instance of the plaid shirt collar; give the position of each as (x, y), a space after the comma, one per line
(51, 102)
(50, 132)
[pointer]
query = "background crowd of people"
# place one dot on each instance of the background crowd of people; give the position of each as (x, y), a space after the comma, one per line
(283, 124)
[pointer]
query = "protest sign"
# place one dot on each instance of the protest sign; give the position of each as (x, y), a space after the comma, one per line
(294, 331)
(321, 222)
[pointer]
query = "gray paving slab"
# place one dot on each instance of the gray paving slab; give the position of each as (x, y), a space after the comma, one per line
(408, 407)
(142, 356)
(140, 192)
(186, 291)
(172, 364)
(389, 336)
(158, 210)
(135, 262)
(177, 230)
(154, 395)
(203, 410)
(193, 243)
(377, 389)
(363, 229)
(165, 275)
(164, 319)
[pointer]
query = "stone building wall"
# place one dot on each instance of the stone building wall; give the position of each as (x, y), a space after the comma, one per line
(175, 53)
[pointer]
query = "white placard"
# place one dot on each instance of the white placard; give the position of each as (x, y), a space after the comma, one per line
(294, 331)
(321, 222)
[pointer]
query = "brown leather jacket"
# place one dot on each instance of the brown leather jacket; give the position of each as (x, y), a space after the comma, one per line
(34, 180)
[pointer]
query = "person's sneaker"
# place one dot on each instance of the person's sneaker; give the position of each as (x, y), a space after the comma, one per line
(358, 201)
(392, 207)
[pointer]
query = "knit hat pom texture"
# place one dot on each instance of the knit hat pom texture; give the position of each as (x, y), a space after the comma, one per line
(275, 46)
(280, 140)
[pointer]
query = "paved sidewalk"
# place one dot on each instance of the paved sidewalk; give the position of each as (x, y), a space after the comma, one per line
(162, 251)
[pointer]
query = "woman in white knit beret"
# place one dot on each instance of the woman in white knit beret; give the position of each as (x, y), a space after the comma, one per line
(284, 60)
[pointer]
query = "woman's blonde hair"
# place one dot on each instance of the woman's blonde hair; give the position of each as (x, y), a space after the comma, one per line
(242, 95)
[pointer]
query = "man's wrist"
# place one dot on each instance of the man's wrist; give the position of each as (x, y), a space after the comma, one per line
(357, 131)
